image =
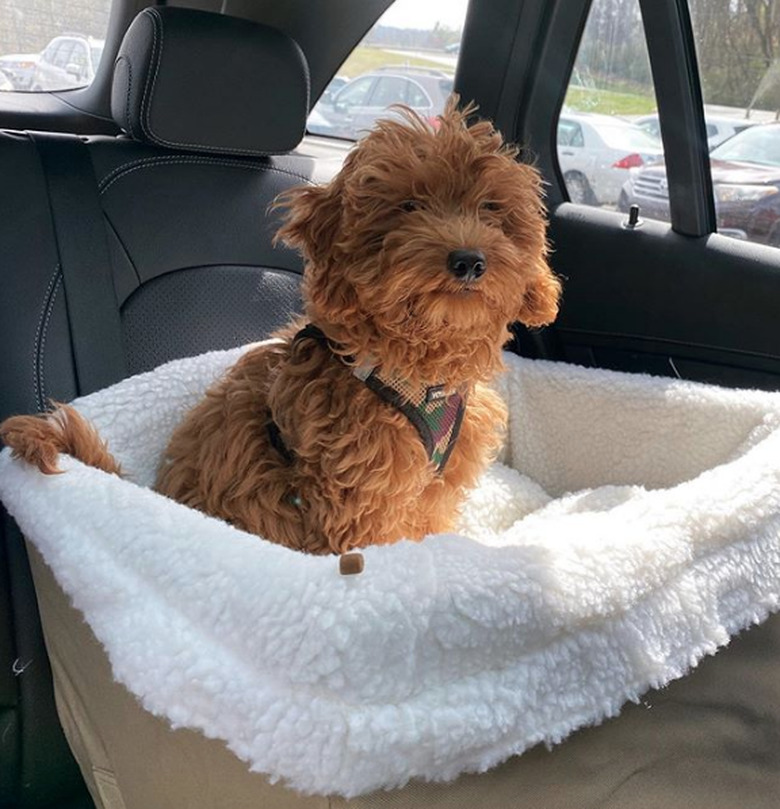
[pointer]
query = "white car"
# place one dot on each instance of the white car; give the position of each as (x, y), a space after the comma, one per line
(596, 152)
(718, 129)
(67, 61)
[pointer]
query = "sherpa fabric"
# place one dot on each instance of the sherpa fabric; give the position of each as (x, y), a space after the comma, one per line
(633, 530)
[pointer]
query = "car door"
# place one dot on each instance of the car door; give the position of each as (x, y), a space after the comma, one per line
(387, 90)
(57, 76)
(673, 298)
(419, 100)
(348, 107)
(45, 71)
(576, 161)
(77, 69)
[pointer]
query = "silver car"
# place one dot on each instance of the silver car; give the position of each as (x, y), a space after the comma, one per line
(66, 62)
(355, 108)
(595, 153)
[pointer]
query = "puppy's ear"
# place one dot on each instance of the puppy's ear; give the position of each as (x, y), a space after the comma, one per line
(540, 301)
(312, 224)
(311, 218)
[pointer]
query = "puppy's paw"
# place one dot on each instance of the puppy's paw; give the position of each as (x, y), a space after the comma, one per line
(35, 439)
(40, 439)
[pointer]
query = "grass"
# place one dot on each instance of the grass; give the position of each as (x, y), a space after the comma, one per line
(609, 102)
(365, 58)
(580, 99)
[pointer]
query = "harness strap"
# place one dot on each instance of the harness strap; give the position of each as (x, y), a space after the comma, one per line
(277, 442)
(435, 414)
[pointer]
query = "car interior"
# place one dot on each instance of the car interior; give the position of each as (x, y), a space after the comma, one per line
(135, 228)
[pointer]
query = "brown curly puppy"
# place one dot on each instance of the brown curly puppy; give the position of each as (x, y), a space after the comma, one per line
(369, 424)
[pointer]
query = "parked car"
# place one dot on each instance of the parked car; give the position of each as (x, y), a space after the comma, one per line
(334, 85)
(355, 108)
(66, 62)
(19, 68)
(746, 185)
(718, 128)
(595, 153)
(5, 83)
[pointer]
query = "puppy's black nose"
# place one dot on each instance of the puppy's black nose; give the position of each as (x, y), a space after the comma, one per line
(466, 265)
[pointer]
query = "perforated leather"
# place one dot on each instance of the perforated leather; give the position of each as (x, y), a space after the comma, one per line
(194, 268)
(203, 309)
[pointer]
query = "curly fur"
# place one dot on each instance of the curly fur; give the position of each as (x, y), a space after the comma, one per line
(376, 242)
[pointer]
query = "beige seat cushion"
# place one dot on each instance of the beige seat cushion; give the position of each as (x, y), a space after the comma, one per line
(708, 741)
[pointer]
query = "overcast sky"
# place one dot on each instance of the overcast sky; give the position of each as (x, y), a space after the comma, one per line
(425, 13)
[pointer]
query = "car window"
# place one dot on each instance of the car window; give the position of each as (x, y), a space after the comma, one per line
(355, 94)
(62, 54)
(610, 88)
(412, 51)
(625, 135)
(737, 44)
(570, 133)
(41, 50)
(759, 145)
(446, 86)
(390, 90)
(416, 96)
(95, 54)
(78, 55)
(651, 126)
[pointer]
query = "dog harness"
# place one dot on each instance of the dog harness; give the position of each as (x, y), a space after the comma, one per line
(435, 413)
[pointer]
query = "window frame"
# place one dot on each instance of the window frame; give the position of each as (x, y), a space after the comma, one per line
(526, 108)
(425, 94)
(64, 46)
(376, 100)
(369, 80)
(672, 50)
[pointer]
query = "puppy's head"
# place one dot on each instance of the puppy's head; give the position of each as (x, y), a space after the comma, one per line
(429, 237)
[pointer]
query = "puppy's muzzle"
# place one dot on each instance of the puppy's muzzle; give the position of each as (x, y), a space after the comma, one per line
(467, 265)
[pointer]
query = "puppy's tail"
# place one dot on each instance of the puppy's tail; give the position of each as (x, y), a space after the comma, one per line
(40, 439)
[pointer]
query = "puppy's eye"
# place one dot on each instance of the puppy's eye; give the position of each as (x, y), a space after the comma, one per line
(489, 205)
(409, 205)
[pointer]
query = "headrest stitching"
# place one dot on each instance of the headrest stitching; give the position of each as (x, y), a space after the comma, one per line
(128, 94)
(151, 162)
(153, 18)
(162, 141)
(41, 331)
(150, 54)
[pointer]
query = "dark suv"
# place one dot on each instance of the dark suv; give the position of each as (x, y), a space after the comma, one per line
(746, 185)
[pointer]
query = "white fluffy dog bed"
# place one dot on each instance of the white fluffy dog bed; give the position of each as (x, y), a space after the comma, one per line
(635, 530)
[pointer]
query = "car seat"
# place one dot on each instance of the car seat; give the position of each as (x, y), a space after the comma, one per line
(183, 203)
(123, 252)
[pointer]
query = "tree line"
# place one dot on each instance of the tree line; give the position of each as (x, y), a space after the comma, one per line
(737, 45)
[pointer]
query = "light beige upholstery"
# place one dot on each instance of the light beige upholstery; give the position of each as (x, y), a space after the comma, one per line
(709, 741)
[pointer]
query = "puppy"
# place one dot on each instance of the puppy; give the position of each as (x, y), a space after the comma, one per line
(366, 421)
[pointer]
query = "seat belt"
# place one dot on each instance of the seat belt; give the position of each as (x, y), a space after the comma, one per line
(80, 233)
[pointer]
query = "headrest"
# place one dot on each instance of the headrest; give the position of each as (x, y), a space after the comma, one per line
(199, 81)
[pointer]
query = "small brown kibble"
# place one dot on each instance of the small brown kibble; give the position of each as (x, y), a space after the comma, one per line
(350, 564)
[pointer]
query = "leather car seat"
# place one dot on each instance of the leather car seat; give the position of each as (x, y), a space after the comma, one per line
(205, 101)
